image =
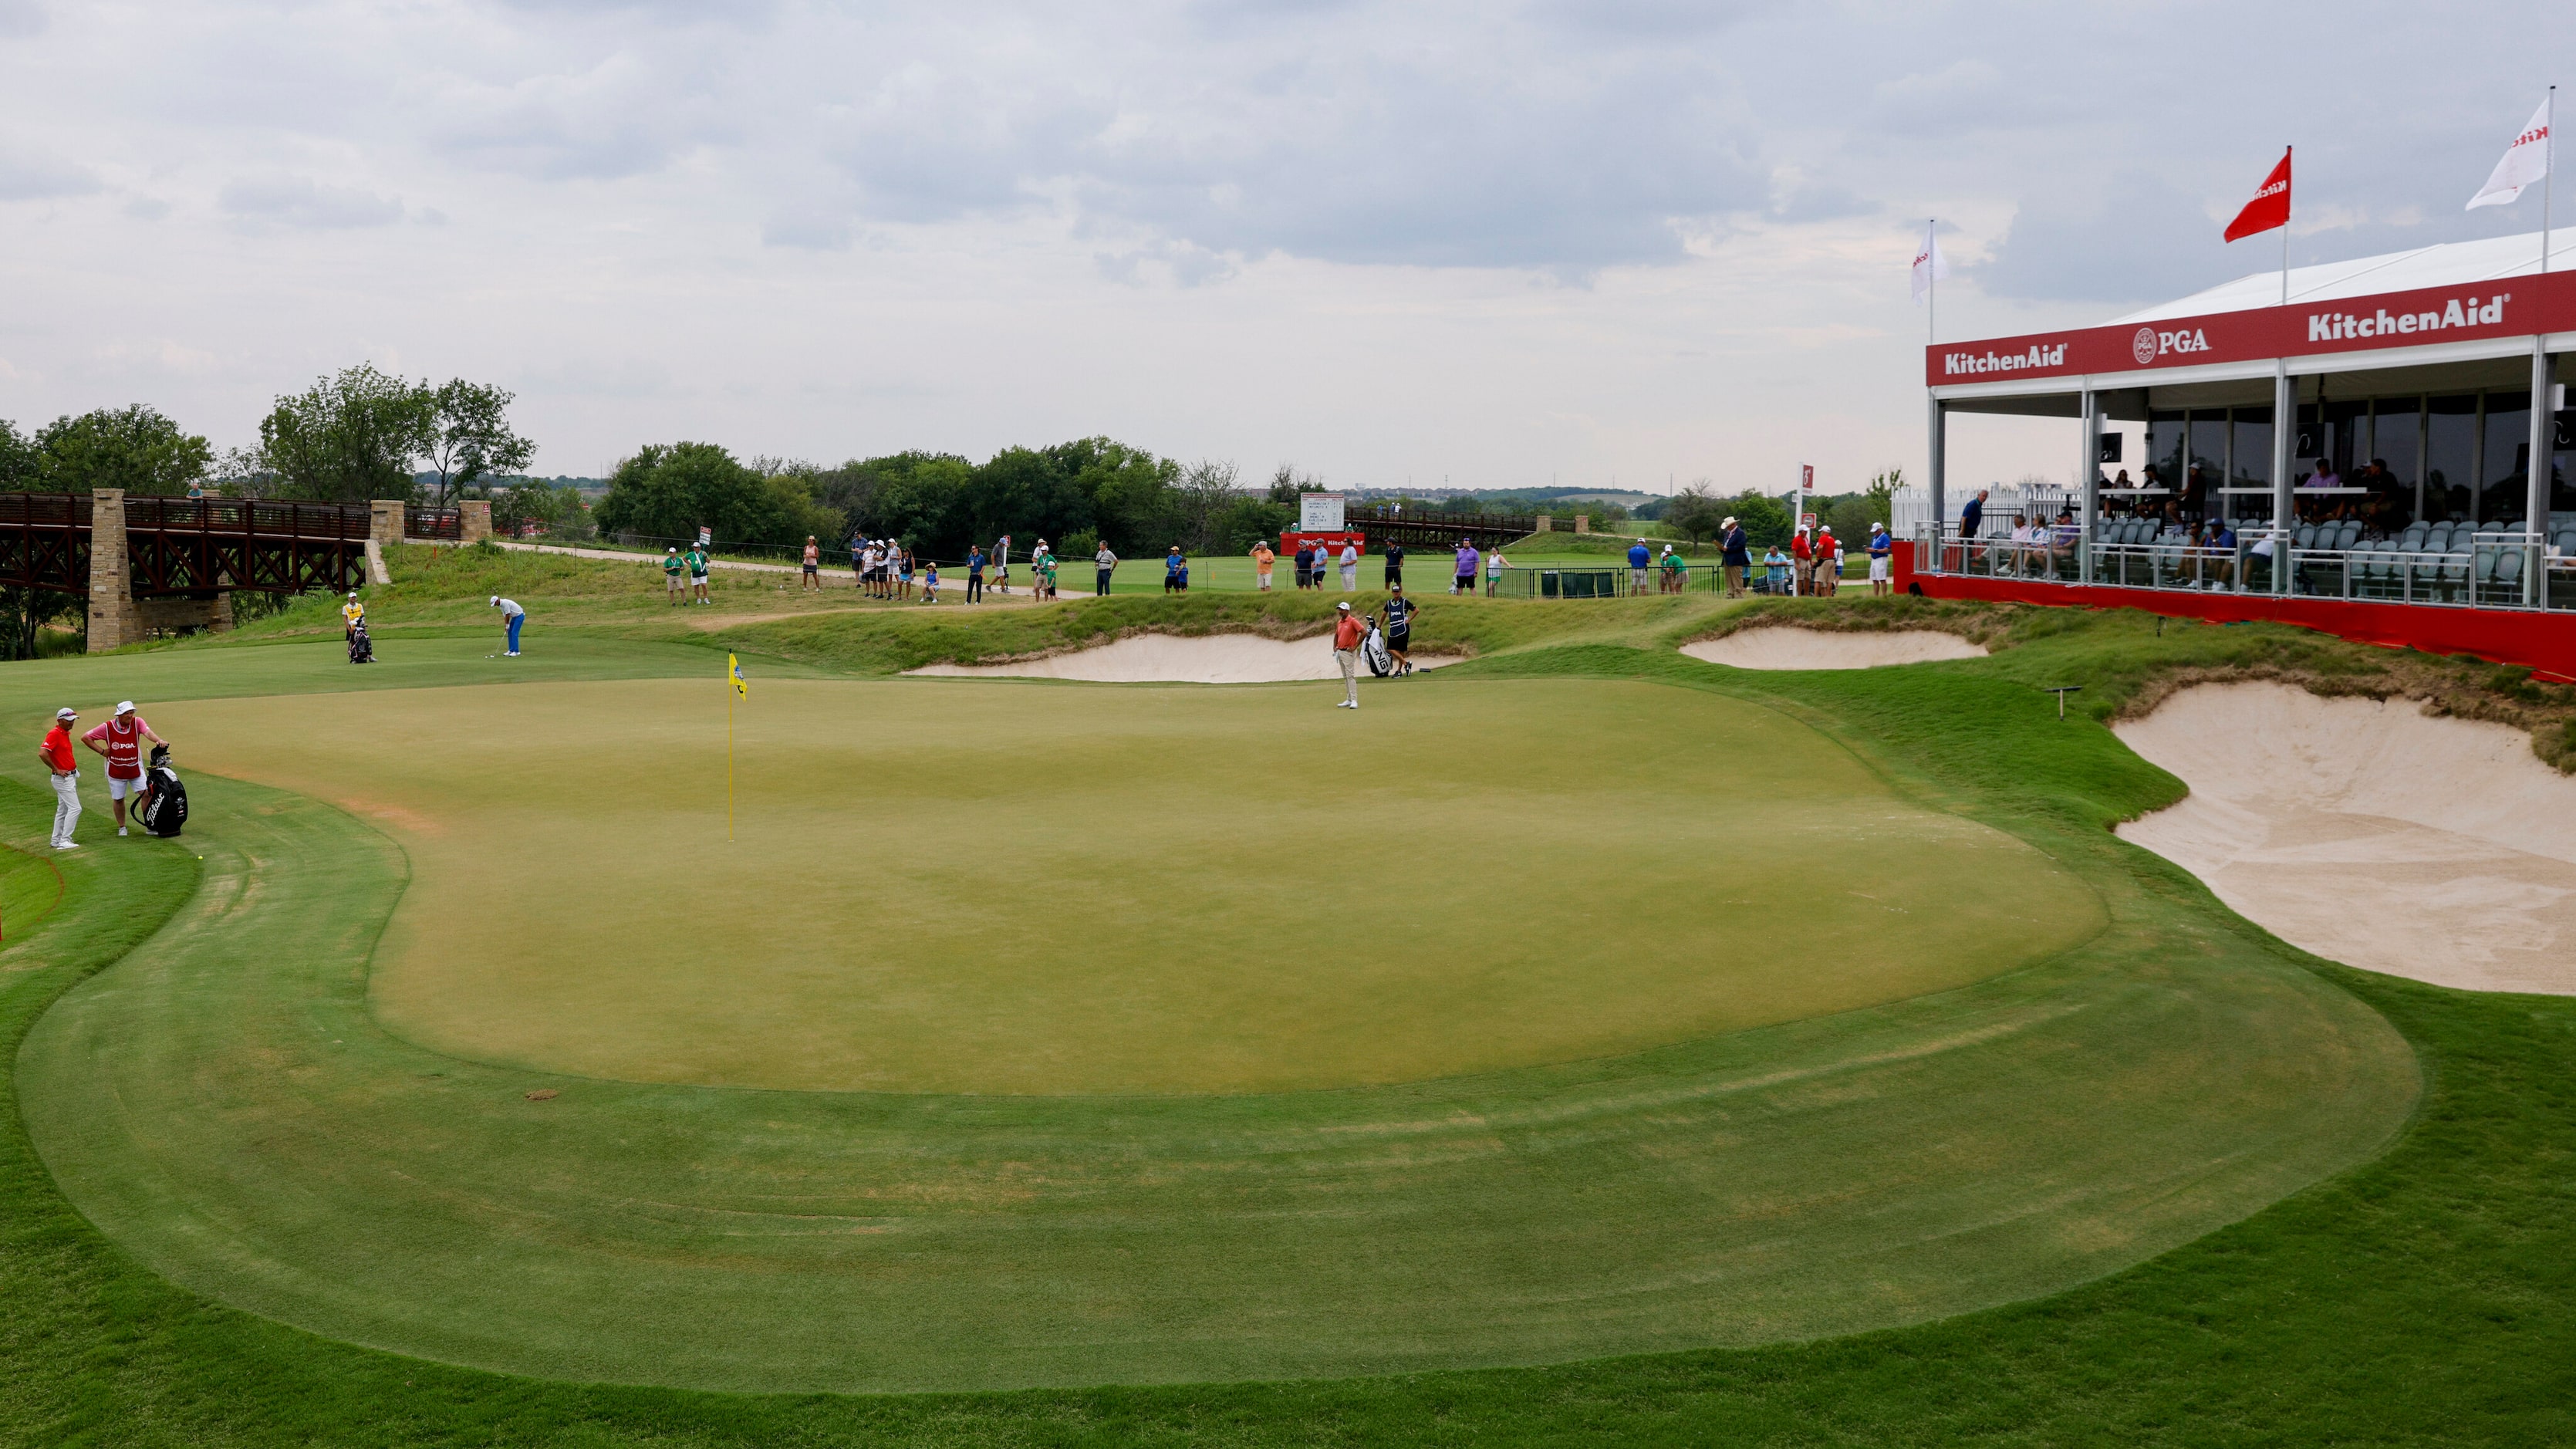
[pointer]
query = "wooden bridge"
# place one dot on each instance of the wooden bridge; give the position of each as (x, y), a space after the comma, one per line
(154, 564)
(1447, 530)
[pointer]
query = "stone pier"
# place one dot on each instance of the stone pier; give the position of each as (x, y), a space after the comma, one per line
(113, 620)
(473, 520)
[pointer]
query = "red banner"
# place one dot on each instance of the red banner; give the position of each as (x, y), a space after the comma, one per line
(2271, 204)
(2469, 312)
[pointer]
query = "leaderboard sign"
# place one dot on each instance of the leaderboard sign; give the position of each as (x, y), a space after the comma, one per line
(2471, 312)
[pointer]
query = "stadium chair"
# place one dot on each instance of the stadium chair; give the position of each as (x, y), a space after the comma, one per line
(2304, 536)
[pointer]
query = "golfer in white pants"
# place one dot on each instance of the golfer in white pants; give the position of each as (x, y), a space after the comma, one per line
(1347, 634)
(64, 766)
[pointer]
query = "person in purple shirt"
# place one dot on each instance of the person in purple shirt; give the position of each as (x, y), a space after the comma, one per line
(1466, 581)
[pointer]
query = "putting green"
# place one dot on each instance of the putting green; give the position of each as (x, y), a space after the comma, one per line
(229, 1104)
(965, 887)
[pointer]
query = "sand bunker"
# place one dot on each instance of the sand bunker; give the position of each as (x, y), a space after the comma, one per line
(1181, 659)
(2372, 834)
(1789, 647)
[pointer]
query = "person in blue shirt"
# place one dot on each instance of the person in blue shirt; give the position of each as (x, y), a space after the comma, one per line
(1639, 556)
(1176, 571)
(1737, 558)
(1775, 570)
(975, 573)
(2222, 548)
(1882, 560)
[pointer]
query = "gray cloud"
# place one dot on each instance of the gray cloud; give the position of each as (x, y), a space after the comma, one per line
(302, 203)
(22, 18)
(40, 178)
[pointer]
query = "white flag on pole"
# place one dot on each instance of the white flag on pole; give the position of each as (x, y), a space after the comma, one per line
(1929, 265)
(2525, 161)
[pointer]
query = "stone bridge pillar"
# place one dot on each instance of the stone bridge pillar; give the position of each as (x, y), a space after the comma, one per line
(1583, 523)
(385, 521)
(473, 519)
(113, 619)
(1545, 523)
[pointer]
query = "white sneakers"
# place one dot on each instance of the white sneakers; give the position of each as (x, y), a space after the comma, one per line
(120, 830)
(67, 845)
(1347, 704)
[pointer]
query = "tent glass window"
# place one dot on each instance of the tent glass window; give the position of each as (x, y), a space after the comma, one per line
(2450, 455)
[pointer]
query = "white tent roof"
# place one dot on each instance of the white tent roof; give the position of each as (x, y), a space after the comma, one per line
(2447, 265)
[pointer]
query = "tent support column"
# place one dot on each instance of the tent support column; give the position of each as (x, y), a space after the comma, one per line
(2285, 435)
(1934, 479)
(2535, 513)
(2090, 472)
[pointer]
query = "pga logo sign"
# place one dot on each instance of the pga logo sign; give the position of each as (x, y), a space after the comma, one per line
(2150, 344)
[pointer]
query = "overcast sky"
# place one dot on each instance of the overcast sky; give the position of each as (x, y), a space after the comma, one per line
(1496, 244)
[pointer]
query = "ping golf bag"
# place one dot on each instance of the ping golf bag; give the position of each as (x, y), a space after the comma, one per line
(362, 650)
(1373, 649)
(165, 808)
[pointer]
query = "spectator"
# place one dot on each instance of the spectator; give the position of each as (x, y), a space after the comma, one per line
(1775, 570)
(1737, 557)
(1350, 565)
(1103, 563)
(1639, 556)
(813, 564)
(1882, 561)
(1465, 583)
(1972, 519)
(1394, 566)
(1176, 572)
(1495, 563)
(1802, 565)
(974, 573)
(1262, 559)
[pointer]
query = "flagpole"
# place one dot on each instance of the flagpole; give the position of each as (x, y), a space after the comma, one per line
(2285, 236)
(1931, 286)
(2548, 156)
(729, 692)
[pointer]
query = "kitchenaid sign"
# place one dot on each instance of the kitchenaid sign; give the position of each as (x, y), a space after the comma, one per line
(2036, 357)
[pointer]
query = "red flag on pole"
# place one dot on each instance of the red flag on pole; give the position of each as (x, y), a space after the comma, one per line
(2271, 204)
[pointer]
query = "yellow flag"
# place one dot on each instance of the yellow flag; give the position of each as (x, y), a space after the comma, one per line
(733, 668)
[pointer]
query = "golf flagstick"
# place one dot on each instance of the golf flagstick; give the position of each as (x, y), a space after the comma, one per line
(741, 689)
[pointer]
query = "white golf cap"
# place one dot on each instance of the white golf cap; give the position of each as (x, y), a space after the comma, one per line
(125, 706)
(67, 712)
(1345, 608)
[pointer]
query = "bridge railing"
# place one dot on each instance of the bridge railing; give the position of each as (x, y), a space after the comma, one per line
(265, 518)
(435, 524)
(44, 510)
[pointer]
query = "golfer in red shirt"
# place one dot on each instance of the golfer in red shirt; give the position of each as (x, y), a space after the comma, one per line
(1347, 634)
(64, 766)
(120, 743)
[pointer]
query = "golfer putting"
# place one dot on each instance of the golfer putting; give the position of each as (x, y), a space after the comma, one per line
(512, 617)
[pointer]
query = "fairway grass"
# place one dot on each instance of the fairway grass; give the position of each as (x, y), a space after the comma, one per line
(975, 887)
(224, 1103)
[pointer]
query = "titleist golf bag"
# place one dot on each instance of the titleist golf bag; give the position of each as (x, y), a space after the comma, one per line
(165, 806)
(1373, 649)
(362, 650)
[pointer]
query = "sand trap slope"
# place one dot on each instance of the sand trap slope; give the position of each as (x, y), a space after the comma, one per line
(2372, 834)
(1789, 647)
(1180, 659)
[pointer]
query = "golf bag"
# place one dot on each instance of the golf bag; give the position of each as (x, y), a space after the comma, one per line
(165, 808)
(1373, 649)
(362, 650)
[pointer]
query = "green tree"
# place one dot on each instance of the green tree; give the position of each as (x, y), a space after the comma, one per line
(134, 448)
(1028, 494)
(1695, 513)
(350, 437)
(671, 490)
(1766, 522)
(19, 463)
(470, 437)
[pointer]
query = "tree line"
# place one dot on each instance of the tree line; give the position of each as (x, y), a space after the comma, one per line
(1077, 495)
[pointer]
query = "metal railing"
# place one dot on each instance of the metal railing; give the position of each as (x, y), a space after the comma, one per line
(2489, 573)
(260, 518)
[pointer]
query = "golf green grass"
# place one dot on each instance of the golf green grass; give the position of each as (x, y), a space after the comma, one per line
(226, 1104)
(966, 887)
